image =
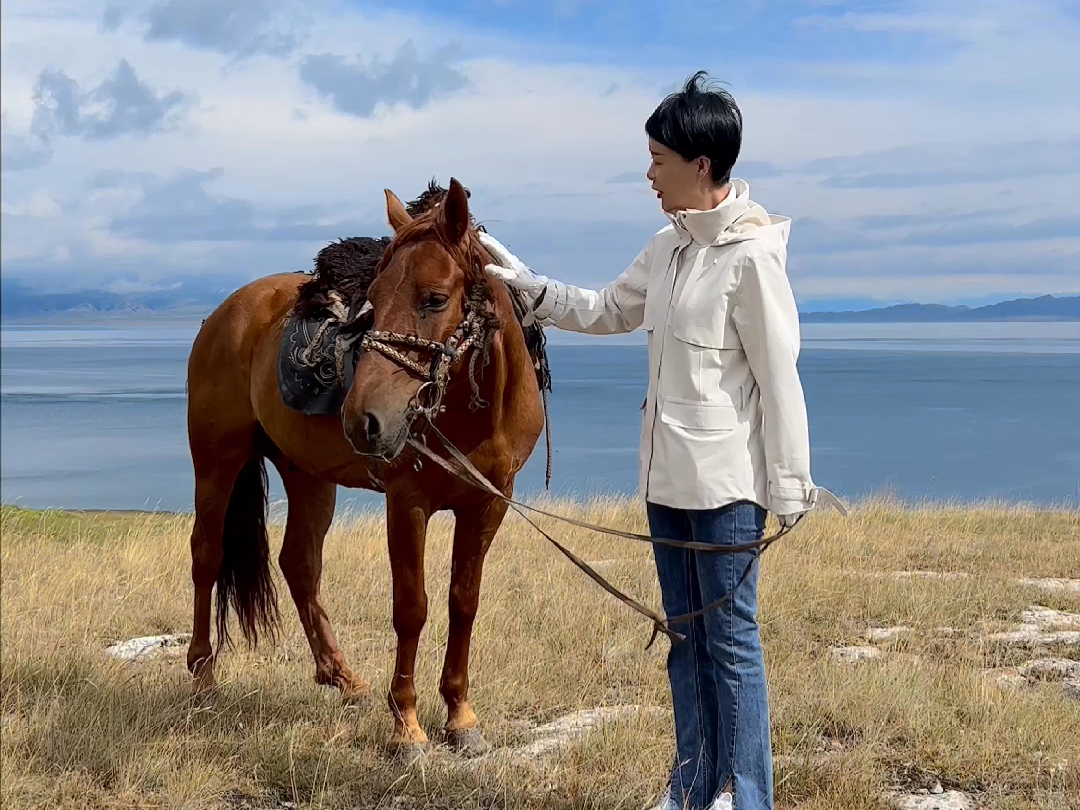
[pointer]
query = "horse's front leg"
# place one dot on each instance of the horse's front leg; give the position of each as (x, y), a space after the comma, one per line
(474, 529)
(407, 515)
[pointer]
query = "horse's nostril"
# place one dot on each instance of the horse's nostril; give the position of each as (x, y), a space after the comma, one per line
(371, 426)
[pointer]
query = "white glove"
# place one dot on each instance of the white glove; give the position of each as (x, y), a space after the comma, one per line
(820, 495)
(790, 521)
(511, 270)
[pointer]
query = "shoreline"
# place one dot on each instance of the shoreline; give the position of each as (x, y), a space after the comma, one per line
(870, 502)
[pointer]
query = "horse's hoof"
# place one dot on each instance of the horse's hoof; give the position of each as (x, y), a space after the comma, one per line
(203, 683)
(408, 753)
(469, 742)
(204, 694)
(358, 697)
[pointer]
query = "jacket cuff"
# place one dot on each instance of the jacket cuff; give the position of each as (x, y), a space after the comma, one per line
(551, 300)
(792, 498)
(796, 498)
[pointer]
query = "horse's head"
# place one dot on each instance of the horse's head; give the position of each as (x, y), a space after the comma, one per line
(425, 286)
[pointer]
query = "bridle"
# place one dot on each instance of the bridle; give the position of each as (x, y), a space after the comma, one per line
(436, 374)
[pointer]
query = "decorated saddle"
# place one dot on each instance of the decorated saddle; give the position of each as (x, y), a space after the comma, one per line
(316, 360)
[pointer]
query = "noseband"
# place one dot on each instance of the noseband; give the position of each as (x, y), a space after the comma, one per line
(436, 374)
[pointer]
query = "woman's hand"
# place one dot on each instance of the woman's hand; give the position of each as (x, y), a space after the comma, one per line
(511, 270)
(790, 521)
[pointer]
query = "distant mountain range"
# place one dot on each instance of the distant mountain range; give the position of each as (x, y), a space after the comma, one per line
(1043, 308)
(19, 300)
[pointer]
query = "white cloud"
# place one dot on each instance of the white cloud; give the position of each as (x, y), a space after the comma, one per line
(239, 28)
(122, 104)
(538, 142)
(1007, 54)
(358, 88)
(41, 205)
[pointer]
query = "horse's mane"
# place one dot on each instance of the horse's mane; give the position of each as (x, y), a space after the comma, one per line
(345, 267)
(348, 266)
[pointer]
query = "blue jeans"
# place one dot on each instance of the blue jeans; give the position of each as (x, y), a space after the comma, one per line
(718, 673)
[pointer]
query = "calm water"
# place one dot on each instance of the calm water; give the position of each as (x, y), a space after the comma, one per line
(94, 416)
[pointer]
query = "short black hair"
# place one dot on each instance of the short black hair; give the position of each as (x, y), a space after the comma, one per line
(701, 120)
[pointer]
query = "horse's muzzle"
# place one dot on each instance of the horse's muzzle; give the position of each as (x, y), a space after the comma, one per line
(374, 434)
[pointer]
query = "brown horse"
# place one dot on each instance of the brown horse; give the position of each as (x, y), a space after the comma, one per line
(429, 282)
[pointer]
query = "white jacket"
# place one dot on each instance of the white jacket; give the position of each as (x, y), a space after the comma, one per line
(724, 417)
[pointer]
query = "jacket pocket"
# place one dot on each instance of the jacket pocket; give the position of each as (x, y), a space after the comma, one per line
(706, 329)
(698, 416)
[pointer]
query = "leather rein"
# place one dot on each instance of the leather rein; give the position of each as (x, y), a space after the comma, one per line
(428, 403)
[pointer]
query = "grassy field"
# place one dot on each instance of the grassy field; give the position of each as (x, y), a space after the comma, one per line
(82, 730)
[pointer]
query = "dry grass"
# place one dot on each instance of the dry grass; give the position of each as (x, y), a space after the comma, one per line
(80, 730)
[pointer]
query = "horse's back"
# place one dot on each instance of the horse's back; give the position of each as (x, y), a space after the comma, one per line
(220, 365)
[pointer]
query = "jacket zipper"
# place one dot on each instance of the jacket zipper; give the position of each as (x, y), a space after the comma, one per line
(675, 257)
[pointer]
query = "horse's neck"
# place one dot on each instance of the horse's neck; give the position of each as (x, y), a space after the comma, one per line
(507, 383)
(519, 373)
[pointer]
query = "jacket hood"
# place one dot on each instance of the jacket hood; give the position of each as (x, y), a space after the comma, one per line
(736, 219)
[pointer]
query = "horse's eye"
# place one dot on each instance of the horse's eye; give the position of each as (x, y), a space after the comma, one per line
(435, 302)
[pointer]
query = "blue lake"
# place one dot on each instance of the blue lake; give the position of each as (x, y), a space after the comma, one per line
(93, 415)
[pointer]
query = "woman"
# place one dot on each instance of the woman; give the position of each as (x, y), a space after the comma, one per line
(724, 435)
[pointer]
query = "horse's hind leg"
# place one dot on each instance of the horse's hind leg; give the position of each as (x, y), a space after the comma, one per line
(474, 529)
(311, 511)
(216, 470)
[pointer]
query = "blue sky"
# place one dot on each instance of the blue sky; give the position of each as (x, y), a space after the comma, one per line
(925, 150)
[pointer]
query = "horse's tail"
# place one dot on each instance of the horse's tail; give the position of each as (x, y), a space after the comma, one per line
(244, 581)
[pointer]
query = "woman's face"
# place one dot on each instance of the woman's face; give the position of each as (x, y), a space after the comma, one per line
(679, 184)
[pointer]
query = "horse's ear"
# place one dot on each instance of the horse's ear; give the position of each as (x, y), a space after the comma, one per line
(453, 219)
(395, 211)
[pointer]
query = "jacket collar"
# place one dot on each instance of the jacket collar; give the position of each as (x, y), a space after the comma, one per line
(707, 227)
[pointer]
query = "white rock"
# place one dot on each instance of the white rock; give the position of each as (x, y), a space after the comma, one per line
(853, 655)
(877, 635)
(946, 575)
(1055, 670)
(947, 800)
(138, 649)
(1052, 584)
(1051, 669)
(1033, 637)
(1035, 630)
(1044, 617)
(1007, 679)
(1063, 671)
(561, 733)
